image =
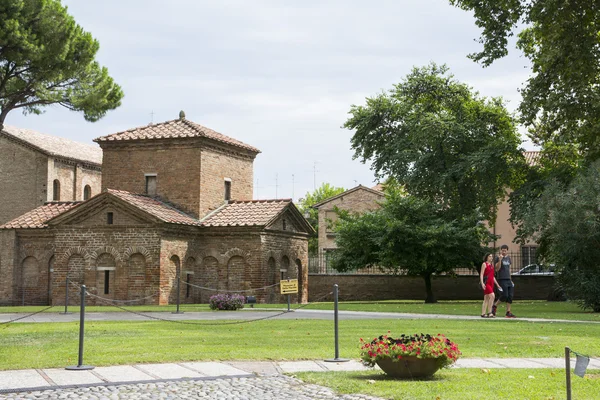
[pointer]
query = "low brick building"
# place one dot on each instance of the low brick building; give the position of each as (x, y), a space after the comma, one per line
(36, 168)
(359, 199)
(166, 211)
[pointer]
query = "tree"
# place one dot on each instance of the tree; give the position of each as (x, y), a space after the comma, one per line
(440, 141)
(324, 192)
(46, 58)
(566, 224)
(562, 41)
(409, 235)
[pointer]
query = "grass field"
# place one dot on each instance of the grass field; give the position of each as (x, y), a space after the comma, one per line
(463, 384)
(43, 345)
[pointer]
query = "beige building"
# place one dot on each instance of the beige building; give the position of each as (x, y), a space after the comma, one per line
(522, 254)
(175, 209)
(36, 168)
(358, 199)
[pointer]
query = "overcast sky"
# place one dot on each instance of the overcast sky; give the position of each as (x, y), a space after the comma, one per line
(278, 75)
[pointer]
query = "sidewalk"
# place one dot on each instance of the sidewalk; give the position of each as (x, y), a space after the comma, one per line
(54, 378)
(249, 314)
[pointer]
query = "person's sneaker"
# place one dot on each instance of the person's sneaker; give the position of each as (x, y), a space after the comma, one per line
(510, 315)
(494, 308)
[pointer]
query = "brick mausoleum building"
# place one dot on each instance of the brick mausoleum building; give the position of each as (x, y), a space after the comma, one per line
(176, 200)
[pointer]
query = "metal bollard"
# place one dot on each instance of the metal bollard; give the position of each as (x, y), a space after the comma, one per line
(335, 324)
(80, 366)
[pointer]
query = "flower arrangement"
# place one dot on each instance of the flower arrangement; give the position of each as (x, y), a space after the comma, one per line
(416, 346)
(226, 302)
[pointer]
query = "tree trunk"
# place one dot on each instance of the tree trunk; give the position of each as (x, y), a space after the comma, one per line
(430, 297)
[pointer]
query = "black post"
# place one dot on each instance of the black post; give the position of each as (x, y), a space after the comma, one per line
(335, 327)
(66, 295)
(80, 366)
(568, 368)
(178, 293)
(288, 296)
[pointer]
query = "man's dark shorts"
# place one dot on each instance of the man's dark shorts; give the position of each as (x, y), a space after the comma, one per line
(506, 295)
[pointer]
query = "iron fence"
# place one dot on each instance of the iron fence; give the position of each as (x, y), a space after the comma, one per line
(320, 264)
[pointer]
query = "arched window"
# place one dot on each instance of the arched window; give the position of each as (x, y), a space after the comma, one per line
(87, 192)
(56, 190)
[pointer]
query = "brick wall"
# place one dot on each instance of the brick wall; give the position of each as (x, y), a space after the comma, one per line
(176, 165)
(83, 250)
(218, 165)
(8, 257)
(187, 174)
(277, 247)
(385, 287)
(23, 179)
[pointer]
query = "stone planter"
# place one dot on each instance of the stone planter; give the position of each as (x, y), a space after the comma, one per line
(409, 367)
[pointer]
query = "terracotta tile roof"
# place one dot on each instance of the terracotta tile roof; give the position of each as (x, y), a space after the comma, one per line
(531, 157)
(55, 146)
(246, 213)
(156, 208)
(177, 128)
(378, 187)
(38, 217)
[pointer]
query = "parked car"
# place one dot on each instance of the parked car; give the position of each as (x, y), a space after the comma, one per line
(536, 269)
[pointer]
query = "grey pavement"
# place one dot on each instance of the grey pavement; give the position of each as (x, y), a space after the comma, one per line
(248, 379)
(249, 314)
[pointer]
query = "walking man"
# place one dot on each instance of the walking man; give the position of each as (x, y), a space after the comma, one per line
(502, 265)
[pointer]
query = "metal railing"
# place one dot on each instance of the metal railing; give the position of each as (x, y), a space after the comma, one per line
(320, 264)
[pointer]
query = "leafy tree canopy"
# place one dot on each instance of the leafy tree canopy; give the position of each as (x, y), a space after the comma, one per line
(409, 235)
(322, 193)
(440, 141)
(562, 41)
(566, 224)
(46, 58)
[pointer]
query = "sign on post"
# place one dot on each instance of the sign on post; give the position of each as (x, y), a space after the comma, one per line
(289, 286)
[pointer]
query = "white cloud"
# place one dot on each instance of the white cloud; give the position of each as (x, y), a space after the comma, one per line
(278, 75)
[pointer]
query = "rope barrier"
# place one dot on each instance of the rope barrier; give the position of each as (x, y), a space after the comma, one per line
(209, 323)
(123, 301)
(26, 316)
(229, 291)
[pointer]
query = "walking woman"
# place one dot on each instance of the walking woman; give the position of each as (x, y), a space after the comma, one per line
(487, 281)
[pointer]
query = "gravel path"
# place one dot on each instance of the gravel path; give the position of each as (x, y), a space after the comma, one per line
(264, 388)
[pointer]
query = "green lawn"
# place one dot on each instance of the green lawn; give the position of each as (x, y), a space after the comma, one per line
(43, 345)
(463, 384)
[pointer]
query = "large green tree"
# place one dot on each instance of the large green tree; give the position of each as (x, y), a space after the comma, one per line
(440, 140)
(566, 223)
(322, 193)
(561, 38)
(411, 236)
(46, 58)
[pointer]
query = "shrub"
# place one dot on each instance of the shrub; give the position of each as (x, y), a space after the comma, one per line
(226, 301)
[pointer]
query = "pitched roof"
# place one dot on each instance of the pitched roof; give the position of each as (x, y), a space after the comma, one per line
(156, 208)
(246, 213)
(38, 217)
(54, 146)
(347, 192)
(177, 128)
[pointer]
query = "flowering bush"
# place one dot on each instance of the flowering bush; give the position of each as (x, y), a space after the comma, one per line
(420, 346)
(226, 301)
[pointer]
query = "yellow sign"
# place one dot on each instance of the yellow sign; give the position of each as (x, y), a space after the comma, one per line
(289, 286)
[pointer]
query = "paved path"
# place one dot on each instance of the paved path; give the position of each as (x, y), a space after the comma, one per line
(248, 314)
(248, 379)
